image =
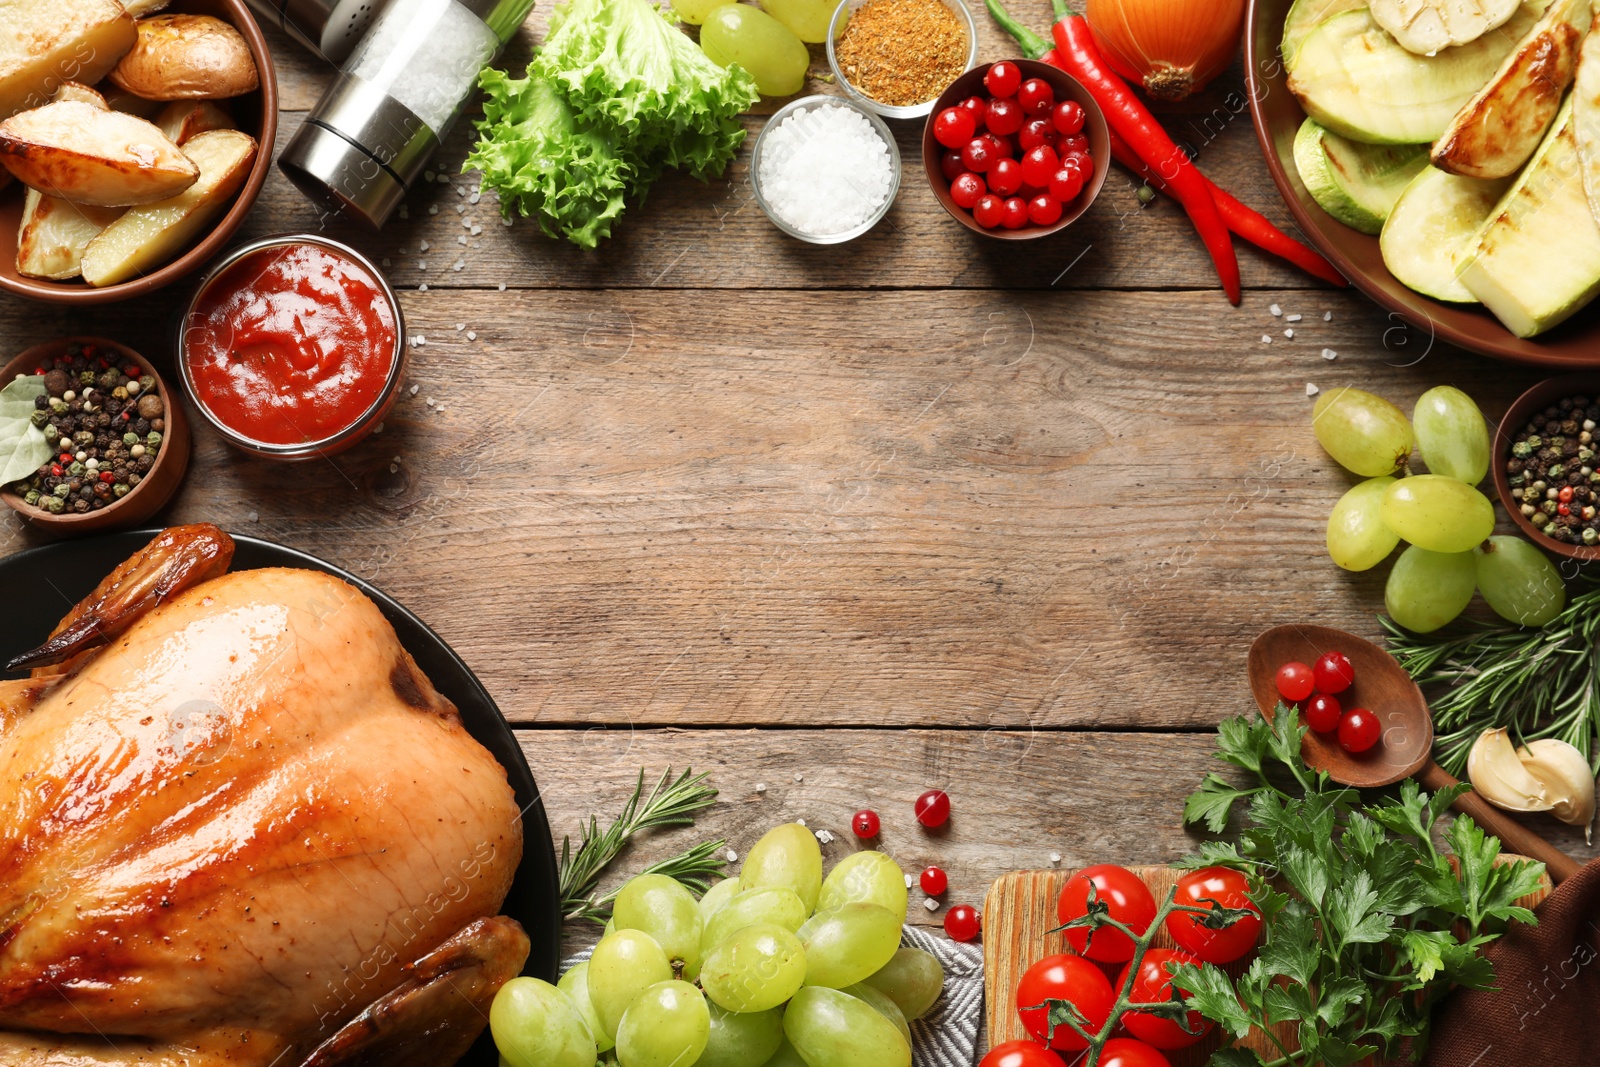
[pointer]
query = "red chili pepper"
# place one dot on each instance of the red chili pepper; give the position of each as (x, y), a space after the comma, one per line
(1135, 125)
(1240, 218)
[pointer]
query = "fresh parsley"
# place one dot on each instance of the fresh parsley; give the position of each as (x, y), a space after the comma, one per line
(1366, 922)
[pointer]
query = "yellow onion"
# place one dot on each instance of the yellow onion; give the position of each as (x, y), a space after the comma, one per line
(1169, 47)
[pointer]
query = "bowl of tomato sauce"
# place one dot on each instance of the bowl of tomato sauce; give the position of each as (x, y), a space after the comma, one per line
(293, 347)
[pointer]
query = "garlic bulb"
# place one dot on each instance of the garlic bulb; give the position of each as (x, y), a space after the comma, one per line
(1567, 779)
(1499, 776)
(1544, 775)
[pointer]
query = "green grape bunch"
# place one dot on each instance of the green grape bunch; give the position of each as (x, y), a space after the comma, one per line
(1444, 519)
(777, 967)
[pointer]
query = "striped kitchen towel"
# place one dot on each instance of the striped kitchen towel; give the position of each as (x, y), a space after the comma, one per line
(947, 1036)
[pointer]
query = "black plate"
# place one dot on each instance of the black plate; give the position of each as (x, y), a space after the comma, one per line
(53, 578)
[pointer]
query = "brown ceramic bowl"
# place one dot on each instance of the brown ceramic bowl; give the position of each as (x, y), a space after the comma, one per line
(255, 113)
(1548, 392)
(1067, 88)
(1573, 344)
(151, 494)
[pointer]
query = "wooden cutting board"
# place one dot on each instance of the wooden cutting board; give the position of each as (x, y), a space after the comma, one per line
(1020, 910)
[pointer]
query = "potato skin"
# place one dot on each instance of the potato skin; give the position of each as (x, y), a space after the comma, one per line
(81, 153)
(186, 57)
(46, 42)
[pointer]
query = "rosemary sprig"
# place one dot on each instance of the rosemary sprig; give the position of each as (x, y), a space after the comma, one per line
(670, 803)
(1534, 682)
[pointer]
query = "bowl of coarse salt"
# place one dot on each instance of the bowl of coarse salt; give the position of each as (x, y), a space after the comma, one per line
(825, 169)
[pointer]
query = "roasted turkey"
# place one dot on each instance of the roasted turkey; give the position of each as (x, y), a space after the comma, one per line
(239, 826)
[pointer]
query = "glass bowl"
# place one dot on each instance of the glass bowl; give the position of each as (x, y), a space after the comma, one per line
(836, 25)
(814, 102)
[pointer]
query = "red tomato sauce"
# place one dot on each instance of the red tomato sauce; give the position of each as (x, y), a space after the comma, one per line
(291, 344)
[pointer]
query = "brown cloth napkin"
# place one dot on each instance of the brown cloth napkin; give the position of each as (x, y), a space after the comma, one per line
(1544, 1012)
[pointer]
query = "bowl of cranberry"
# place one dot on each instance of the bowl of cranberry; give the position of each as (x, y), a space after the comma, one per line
(1016, 150)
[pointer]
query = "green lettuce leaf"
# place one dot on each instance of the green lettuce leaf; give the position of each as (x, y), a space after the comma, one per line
(23, 448)
(549, 164)
(625, 63)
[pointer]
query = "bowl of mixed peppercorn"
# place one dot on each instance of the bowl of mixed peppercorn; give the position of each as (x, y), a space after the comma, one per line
(90, 439)
(1547, 465)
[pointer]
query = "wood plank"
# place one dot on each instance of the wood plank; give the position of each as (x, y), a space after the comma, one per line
(1015, 511)
(695, 235)
(1016, 797)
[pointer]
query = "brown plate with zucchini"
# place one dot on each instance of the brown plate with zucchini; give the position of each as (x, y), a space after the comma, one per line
(125, 171)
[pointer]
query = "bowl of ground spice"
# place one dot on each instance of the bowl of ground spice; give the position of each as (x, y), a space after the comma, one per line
(894, 57)
(1546, 465)
(117, 444)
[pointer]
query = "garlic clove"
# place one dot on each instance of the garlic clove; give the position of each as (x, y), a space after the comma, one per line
(1498, 774)
(1567, 778)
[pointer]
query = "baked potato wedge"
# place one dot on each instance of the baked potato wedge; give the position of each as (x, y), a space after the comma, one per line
(182, 120)
(187, 57)
(54, 234)
(81, 93)
(147, 236)
(125, 102)
(80, 153)
(46, 42)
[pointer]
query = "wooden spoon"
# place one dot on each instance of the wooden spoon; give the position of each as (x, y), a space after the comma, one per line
(1383, 687)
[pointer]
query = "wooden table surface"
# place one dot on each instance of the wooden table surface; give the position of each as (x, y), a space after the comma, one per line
(850, 523)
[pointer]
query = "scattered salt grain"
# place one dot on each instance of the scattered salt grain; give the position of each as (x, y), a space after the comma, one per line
(461, 209)
(433, 209)
(444, 179)
(1311, 390)
(421, 340)
(422, 246)
(386, 261)
(799, 777)
(458, 264)
(761, 787)
(475, 230)
(1266, 338)
(393, 468)
(472, 335)
(423, 288)
(378, 428)
(931, 904)
(254, 517)
(460, 326)
(461, 190)
(1276, 310)
(414, 389)
(1293, 318)
(802, 822)
(1055, 859)
(502, 287)
(428, 175)
(908, 881)
(732, 856)
(824, 170)
(461, 240)
(505, 220)
(1327, 316)
(474, 198)
(430, 401)
(1328, 353)
(1289, 334)
(405, 211)
(422, 264)
(824, 837)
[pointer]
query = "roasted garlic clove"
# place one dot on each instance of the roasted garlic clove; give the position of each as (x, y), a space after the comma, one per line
(1500, 777)
(1567, 778)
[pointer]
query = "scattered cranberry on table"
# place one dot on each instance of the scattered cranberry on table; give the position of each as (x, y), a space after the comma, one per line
(865, 824)
(1016, 157)
(963, 923)
(934, 881)
(932, 808)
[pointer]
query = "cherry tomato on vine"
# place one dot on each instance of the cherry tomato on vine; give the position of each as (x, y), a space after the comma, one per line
(1125, 898)
(1227, 887)
(1021, 1054)
(1003, 79)
(1295, 682)
(1333, 673)
(1359, 730)
(1323, 713)
(1154, 986)
(954, 127)
(1036, 97)
(1068, 117)
(1126, 1052)
(1070, 978)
